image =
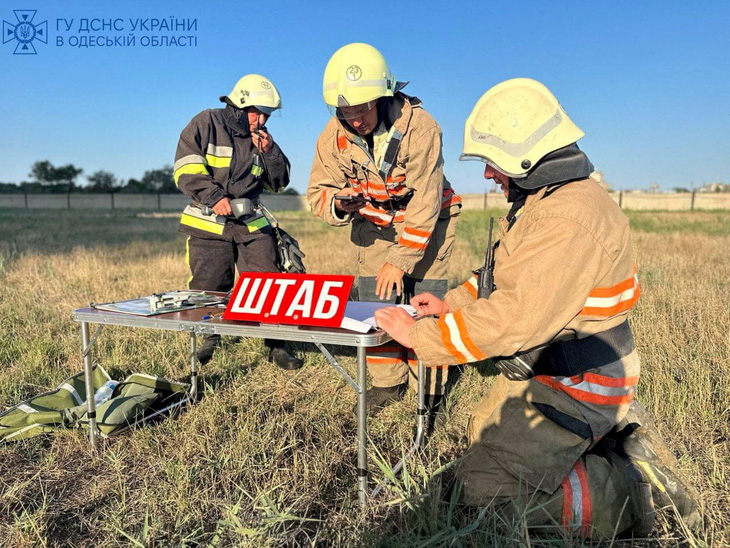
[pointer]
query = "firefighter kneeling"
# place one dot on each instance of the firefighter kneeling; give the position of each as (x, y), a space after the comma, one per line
(559, 431)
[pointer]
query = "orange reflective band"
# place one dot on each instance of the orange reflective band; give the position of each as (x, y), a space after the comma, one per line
(471, 286)
(590, 392)
(446, 339)
(609, 301)
(617, 289)
(586, 506)
(342, 142)
(465, 338)
(566, 519)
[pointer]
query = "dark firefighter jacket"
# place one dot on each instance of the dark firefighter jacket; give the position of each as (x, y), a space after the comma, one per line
(215, 160)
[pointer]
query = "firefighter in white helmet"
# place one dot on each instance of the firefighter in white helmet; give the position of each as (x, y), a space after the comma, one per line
(378, 167)
(228, 154)
(559, 427)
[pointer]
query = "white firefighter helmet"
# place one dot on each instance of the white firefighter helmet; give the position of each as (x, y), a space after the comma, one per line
(254, 90)
(515, 124)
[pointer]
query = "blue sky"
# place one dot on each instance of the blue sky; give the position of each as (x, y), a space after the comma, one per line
(649, 82)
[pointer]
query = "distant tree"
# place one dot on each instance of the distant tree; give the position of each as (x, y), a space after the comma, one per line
(9, 188)
(681, 190)
(289, 191)
(59, 178)
(159, 180)
(102, 181)
(133, 186)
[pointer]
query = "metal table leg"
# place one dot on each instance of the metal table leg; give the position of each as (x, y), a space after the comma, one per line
(422, 412)
(89, 378)
(362, 428)
(193, 367)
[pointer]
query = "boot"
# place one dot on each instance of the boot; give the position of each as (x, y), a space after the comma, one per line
(206, 351)
(284, 360)
(643, 446)
(378, 398)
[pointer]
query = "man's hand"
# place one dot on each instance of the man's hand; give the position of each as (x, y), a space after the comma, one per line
(396, 322)
(262, 140)
(387, 277)
(350, 206)
(427, 304)
(223, 207)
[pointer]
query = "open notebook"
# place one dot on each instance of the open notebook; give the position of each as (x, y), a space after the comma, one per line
(360, 316)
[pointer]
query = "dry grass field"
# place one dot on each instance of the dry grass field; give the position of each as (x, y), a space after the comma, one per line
(267, 458)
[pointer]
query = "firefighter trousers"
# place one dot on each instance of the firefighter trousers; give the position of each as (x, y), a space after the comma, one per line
(213, 262)
(392, 364)
(531, 452)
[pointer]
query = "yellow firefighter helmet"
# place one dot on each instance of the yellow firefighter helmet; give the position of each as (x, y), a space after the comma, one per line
(357, 74)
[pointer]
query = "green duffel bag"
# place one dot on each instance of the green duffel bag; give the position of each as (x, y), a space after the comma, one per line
(136, 399)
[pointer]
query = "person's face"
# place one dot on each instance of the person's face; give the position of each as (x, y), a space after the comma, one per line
(256, 119)
(498, 177)
(362, 118)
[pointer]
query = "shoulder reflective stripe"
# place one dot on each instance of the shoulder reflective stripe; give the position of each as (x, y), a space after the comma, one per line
(220, 151)
(608, 301)
(66, 386)
(191, 169)
(189, 159)
(25, 408)
(215, 161)
(201, 224)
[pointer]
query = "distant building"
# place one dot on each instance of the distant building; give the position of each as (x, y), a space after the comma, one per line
(715, 187)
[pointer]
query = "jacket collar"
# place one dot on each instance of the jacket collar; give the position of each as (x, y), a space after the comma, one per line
(229, 118)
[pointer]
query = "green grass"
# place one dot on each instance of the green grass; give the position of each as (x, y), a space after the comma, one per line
(268, 458)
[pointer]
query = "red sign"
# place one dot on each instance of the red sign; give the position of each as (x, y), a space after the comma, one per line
(297, 299)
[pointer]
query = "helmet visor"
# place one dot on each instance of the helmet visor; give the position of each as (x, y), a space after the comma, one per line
(353, 112)
(470, 157)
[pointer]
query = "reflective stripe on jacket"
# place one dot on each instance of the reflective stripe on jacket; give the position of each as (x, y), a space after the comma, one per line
(215, 160)
(564, 270)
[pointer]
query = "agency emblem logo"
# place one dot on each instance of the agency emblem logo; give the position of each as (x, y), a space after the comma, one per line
(25, 32)
(354, 72)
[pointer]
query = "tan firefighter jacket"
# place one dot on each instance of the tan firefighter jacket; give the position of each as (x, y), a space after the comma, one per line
(564, 270)
(215, 160)
(411, 189)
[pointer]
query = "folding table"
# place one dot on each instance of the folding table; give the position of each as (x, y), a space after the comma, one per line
(192, 322)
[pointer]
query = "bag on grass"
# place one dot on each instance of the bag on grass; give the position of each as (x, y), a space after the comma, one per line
(134, 400)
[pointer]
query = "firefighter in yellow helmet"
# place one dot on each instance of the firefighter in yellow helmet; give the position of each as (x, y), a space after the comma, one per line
(224, 159)
(559, 427)
(378, 167)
